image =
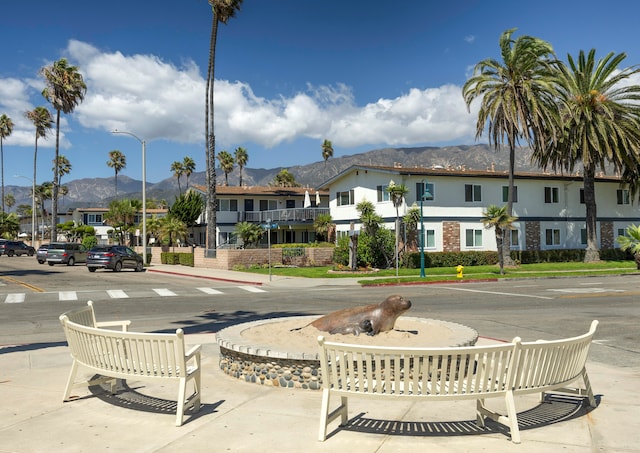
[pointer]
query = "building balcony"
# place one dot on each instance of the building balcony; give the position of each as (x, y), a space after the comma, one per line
(291, 216)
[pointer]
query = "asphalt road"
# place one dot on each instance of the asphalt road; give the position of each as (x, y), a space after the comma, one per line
(531, 309)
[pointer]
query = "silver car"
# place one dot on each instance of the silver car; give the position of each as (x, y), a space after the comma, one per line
(68, 253)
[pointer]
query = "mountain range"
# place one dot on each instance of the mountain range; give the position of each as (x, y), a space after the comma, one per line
(98, 192)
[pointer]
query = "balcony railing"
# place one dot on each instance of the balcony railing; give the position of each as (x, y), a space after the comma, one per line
(293, 215)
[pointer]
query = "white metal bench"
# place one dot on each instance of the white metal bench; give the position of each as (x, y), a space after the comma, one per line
(127, 355)
(86, 316)
(502, 370)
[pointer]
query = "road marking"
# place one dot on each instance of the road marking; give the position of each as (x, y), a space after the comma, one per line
(117, 294)
(252, 289)
(67, 295)
(209, 290)
(587, 290)
(14, 298)
(164, 292)
(496, 292)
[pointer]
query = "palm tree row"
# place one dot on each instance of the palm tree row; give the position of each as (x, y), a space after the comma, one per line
(584, 113)
(186, 167)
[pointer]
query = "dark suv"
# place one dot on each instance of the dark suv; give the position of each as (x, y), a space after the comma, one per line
(19, 248)
(114, 257)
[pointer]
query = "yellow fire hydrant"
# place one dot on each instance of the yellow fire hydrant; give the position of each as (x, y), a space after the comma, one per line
(459, 269)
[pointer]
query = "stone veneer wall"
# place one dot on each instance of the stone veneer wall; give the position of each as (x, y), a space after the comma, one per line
(450, 236)
(532, 235)
(606, 235)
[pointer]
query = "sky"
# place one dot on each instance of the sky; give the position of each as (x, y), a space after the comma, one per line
(289, 74)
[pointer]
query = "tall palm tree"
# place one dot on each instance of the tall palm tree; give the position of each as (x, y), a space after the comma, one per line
(518, 99)
(6, 128)
(177, 169)
(327, 151)
(241, 157)
(498, 218)
(397, 193)
(64, 168)
(65, 89)
(41, 119)
(600, 117)
(222, 10)
(117, 161)
(226, 164)
(188, 166)
(43, 193)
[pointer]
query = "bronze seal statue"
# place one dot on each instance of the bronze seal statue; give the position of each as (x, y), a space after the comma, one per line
(369, 319)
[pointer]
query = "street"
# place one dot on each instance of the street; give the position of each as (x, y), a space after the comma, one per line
(532, 309)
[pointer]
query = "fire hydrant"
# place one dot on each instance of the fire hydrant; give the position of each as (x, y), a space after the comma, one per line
(459, 269)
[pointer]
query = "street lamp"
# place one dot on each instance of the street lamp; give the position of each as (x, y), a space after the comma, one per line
(424, 194)
(144, 191)
(33, 208)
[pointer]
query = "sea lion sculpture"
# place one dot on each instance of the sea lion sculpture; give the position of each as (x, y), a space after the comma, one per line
(369, 319)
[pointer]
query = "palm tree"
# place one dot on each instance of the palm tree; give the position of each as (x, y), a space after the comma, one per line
(117, 161)
(411, 220)
(322, 226)
(9, 225)
(241, 157)
(327, 151)
(284, 178)
(6, 128)
(177, 169)
(65, 89)
(397, 193)
(9, 200)
(250, 233)
(188, 166)
(43, 193)
(631, 242)
(41, 119)
(517, 98)
(498, 218)
(226, 164)
(222, 10)
(600, 117)
(64, 168)
(173, 227)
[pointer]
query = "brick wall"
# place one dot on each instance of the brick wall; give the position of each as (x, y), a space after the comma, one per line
(450, 236)
(532, 235)
(607, 239)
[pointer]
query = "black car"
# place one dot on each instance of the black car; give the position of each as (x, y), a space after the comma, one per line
(114, 257)
(18, 248)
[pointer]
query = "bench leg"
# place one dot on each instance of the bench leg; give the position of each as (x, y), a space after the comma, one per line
(182, 390)
(327, 417)
(512, 415)
(70, 380)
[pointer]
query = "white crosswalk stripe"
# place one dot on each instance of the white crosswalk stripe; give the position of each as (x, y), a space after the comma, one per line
(164, 292)
(117, 294)
(67, 295)
(14, 298)
(210, 291)
(252, 289)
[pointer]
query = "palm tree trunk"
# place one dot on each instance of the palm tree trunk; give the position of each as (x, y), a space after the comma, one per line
(54, 192)
(592, 253)
(2, 171)
(506, 242)
(210, 250)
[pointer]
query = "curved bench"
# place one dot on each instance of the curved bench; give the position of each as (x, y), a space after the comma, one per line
(477, 372)
(128, 355)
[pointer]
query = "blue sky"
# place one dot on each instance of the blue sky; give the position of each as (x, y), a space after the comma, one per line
(289, 74)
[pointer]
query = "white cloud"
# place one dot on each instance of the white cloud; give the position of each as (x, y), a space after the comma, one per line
(470, 38)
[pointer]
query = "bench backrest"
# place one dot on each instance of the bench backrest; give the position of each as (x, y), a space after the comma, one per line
(84, 316)
(433, 372)
(543, 364)
(127, 353)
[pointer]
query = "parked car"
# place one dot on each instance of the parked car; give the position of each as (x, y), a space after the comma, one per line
(19, 248)
(68, 253)
(114, 257)
(41, 253)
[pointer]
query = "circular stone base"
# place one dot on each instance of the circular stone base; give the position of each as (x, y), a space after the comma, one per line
(269, 352)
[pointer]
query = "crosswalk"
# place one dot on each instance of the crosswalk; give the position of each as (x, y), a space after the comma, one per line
(16, 298)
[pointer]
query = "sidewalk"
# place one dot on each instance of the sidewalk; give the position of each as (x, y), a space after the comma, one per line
(240, 416)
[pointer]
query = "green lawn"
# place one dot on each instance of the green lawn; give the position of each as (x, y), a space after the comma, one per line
(470, 272)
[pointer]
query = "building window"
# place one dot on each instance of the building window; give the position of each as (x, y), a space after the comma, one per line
(552, 237)
(430, 193)
(551, 195)
(515, 238)
(429, 239)
(93, 219)
(227, 205)
(581, 196)
(505, 194)
(583, 236)
(473, 238)
(622, 232)
(383, 195)
(345, 198)
(472, 192)
(268, 205)
(290, 204)
(623, 196)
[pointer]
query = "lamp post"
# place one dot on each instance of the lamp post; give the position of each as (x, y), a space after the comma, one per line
(33, 208)
(144, 191)
(424, 194)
